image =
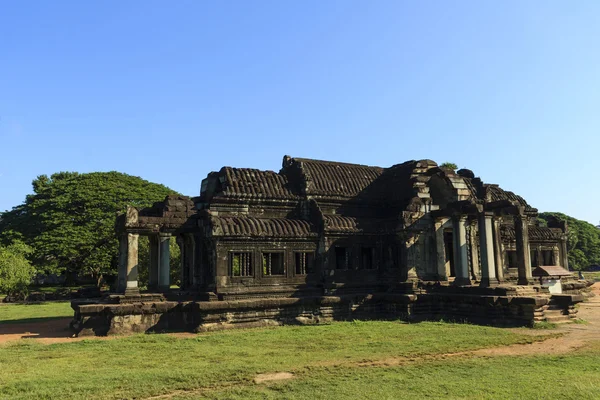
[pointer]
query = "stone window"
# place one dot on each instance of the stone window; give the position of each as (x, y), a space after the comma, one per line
(304, 262)
(534, 258)
(390, 256)
(449, 252)
(511, 257)
(366, 258)
(241, 264)
(548, 257)
(341, 258)
(272, 264)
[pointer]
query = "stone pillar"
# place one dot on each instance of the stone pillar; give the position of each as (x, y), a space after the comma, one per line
(564, 253)
(461, 257)
(190, 245)
(523, 252)
(122, 272)
(486, 245)
(414, 257)
(499, 263)
(556, 260)
(132, 264)
(440, 249)
(199, 262)
(164, 267)
(154, 261)
(475, 269)
(182, 262)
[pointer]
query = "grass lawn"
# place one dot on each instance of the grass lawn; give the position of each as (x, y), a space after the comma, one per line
(594, 276)
(573, 376)
(225, 363)
(16, 313)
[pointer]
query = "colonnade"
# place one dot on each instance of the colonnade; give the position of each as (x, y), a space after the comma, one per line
(490, 252)
(159, 269)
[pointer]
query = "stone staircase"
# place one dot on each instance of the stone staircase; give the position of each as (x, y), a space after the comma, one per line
(554, 314)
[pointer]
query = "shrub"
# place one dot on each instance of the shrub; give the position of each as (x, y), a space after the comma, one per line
(15, 270)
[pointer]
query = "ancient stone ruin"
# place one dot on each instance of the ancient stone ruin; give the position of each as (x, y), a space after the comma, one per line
(321, 241)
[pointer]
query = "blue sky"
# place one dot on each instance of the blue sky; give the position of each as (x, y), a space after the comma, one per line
(170, 91)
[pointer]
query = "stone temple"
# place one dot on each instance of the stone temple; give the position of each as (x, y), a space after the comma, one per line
(322, 240)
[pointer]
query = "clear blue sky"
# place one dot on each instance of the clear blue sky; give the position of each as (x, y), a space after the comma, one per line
(172, 90)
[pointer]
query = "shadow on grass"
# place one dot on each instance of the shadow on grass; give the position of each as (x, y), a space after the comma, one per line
(31, 321)
(36, 328)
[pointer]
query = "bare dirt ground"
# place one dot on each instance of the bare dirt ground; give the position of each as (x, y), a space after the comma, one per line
(573, 336)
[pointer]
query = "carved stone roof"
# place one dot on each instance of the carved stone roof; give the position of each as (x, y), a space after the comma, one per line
(538, 233)
(173, 213)
(344, 224)
(327, 178)
(248, 183)
(495, 193)
(261, 227)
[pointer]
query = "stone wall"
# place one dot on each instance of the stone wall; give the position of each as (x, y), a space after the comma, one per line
(157, 316)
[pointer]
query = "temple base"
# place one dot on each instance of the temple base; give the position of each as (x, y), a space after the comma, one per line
(487, 282)
(461, 282)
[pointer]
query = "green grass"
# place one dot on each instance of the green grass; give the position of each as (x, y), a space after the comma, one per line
(573, 376)
(147, 365)
(544, 325)
(593, 276)
(17, 313)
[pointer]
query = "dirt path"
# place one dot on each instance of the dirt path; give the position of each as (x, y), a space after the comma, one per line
(574, 336)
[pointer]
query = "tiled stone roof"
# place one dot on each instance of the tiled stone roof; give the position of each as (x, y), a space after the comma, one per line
(497, 194)
(338, 223)
(261, 227)
(336, 179)
(535, 233)
(254, 183)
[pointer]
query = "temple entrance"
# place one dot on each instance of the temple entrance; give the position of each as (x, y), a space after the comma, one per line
(449, 253)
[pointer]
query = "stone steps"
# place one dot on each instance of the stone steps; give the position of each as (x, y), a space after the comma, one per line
(559, 319)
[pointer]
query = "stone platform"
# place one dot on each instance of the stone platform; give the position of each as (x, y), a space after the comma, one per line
(155, 313)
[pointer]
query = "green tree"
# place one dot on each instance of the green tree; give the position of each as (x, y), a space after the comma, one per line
(69, 220)
(449, 165)
(15, 270)
(583, 240)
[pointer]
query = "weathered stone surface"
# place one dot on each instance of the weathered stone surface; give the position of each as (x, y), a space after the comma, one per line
(321, 240)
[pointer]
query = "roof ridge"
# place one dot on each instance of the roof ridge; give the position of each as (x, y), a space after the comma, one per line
(252, 169)
(334, 162)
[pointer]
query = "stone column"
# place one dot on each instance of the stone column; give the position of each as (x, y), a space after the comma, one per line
(122, 276)
(199, 262)
(153, 267)
(499, 263)
(190, 245)
(475, 269)
(461, 257)
(182, 262)
(564, 253)
(486, 245)
(408, 257)
(523, 252)
(440, 249)
(556, 260)
(164, 268)
(132, 264)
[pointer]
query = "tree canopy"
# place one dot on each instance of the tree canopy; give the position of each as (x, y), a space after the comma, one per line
(583, 242)
(69, 219)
